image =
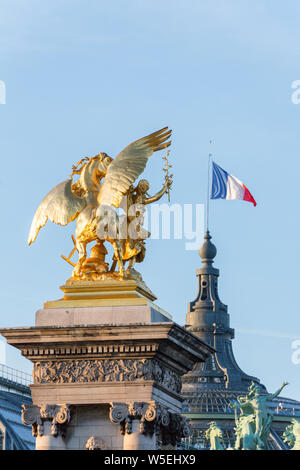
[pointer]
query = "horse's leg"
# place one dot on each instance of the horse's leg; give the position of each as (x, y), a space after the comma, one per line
(81, 247)
(118, 253)
(131, 263)
(113, 266)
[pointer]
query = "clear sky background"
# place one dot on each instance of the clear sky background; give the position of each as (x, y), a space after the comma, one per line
(89, 76)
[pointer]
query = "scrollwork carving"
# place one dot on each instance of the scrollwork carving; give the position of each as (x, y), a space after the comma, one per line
(177, 429)
(118, 412)
(35, 416)
(154, 418)
(163, 416)
(31, 415)
(150, 413)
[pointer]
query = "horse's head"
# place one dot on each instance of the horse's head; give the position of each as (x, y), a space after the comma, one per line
(91, 171)
(103, 162)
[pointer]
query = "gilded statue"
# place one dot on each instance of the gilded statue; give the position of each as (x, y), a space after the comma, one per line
(97, 187)
(253, 424)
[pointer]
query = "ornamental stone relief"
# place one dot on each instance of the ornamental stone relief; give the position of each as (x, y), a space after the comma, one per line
(95, 443)
(106, 370)
(35, 415)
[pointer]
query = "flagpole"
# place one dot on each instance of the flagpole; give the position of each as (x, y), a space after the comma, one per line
(208, 188)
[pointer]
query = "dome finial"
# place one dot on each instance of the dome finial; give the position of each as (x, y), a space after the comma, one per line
(208, 250)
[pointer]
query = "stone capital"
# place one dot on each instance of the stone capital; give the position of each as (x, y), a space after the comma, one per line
(177, 429)
(153, 418)
(35, 415)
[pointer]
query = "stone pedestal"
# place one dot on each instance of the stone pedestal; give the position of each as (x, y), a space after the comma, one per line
(107, 370)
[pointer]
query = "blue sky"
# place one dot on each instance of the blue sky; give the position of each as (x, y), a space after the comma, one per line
(89, 76)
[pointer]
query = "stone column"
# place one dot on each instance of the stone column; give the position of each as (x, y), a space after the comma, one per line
(141, 435)
(136, 440)
(48, 425)
(148, 426)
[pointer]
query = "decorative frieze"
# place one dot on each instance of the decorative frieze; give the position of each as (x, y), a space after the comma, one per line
(170, 427)
(35, 416)
(106, 370)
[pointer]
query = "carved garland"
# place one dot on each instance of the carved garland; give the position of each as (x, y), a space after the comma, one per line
(106, 370)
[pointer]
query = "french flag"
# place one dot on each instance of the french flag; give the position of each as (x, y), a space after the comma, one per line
(226, 186)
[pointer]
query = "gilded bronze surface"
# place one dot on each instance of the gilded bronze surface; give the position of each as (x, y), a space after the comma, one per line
(103, 185)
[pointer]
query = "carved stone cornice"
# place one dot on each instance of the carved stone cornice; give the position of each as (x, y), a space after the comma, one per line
(35, 416)
(106, 370)
(154, 418)
(96, 351)
(174, 343)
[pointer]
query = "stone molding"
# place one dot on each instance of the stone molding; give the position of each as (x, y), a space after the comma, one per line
(169, 427)
(169, 339)
(47, 351)
(35, 416)
(106, 370)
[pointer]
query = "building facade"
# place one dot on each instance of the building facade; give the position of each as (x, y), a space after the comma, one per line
(14, 392)
(211, 387)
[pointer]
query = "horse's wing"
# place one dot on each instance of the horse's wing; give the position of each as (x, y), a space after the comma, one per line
(60, 205)
(129, 165)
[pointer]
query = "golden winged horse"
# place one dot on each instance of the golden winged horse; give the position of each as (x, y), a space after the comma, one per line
(103, 183)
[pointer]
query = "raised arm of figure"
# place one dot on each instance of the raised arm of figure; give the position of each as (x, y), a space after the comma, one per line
(274, 395)
(160, 193)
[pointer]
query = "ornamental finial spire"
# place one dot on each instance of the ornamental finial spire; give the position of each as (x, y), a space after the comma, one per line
(208, 250)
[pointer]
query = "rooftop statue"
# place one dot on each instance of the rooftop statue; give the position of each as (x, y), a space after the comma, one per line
(246, 438)
(292, 434)
(253, 424)
(104, 185)
(215, 436)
